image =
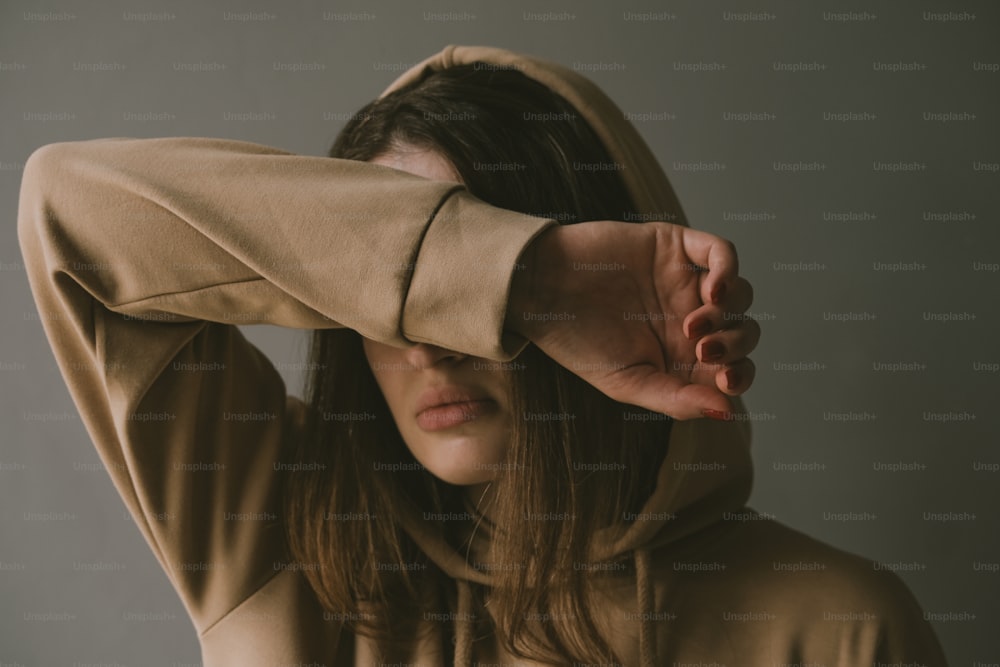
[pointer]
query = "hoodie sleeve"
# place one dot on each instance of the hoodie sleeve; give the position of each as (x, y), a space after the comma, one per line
(144, 254)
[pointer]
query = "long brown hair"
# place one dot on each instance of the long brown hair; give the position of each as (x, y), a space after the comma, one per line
(574, 454)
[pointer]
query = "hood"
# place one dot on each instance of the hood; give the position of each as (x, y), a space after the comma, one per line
(708, 470)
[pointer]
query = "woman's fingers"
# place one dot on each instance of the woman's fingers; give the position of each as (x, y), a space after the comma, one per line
(725, 336)
(732, 379)
(717, 254)
(729, 345)
(722, 358)
(736, 378)
(728, 314)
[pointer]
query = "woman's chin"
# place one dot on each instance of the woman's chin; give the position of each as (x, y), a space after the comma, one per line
(462, 461)
(463, 457)
(460, 473)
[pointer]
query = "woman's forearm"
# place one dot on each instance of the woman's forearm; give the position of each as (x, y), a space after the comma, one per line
(197, 228)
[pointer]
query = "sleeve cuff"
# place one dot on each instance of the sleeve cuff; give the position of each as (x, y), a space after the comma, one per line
(462, 275)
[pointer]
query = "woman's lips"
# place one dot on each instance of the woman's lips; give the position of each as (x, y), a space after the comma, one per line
(453, 414)
(439, 408)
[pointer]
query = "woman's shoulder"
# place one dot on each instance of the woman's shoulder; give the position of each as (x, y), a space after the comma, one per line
(770, 560)
(753, 579)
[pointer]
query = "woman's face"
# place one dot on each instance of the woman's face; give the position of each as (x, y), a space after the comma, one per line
(450, 408)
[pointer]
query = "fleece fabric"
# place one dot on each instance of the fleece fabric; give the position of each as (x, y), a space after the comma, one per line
(144, 255)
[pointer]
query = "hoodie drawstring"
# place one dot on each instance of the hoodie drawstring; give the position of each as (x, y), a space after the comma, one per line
(464, 625)
(645, 595)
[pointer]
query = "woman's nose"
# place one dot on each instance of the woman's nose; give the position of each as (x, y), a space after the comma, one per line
(424, 355)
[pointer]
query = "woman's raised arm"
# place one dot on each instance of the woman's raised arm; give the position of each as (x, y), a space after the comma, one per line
(143, 255)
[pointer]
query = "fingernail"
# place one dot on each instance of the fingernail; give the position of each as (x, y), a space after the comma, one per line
(718, 292)
(717, 414)
(732, 379)
(712, 350)
(700, 327)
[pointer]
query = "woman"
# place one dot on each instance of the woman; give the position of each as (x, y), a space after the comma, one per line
(468, 498)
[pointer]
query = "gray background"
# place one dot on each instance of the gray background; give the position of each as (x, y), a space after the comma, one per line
(822, 395)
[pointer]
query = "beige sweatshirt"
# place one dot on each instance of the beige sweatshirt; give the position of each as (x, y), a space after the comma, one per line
(144, 254)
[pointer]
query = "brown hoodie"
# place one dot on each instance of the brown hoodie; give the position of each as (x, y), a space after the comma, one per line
(143, 255)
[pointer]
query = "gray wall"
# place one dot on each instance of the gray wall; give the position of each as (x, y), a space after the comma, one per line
(857, 269)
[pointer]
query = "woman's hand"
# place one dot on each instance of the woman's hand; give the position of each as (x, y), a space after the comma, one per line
(629, 308)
